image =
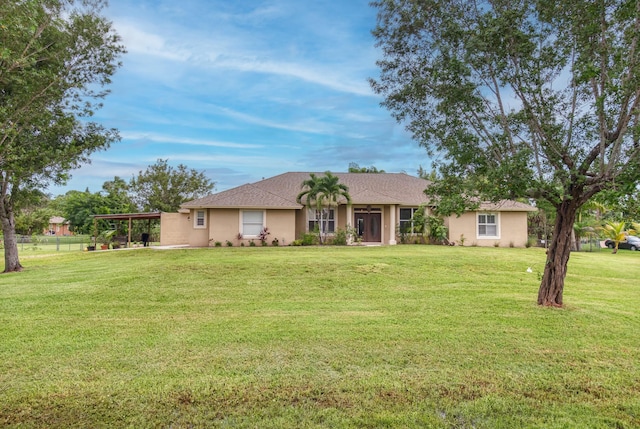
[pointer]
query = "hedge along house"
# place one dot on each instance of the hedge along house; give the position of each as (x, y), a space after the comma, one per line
(380, 203)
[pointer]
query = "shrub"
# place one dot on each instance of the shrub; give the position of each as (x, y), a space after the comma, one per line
(296, 243)
(403, 233)
(309, 239)
(263, 235)
(275, 242)
(436, 229)
(340, 237)
(229, 244)
(218, 244)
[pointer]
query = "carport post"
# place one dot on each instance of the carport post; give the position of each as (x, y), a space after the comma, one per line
(129, 238)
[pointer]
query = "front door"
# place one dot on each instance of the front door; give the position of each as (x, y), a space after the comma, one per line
(368, 227)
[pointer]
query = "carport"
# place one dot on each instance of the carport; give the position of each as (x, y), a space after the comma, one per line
(129, 217)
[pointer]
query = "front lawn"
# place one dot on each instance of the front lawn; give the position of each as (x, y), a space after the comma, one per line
(397, 336)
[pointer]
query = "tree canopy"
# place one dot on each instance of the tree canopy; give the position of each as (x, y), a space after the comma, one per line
(518, 99)
(33, 213)
(56, 57)
(354, 167)
(162, 187)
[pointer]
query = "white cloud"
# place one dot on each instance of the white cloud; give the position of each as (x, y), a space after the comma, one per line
(309, 126)
(163, 138)
(142, 42)
(315, 73)
(235, 51)
(226, 160)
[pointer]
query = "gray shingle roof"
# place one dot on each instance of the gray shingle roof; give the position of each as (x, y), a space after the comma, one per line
(507, 206)
(280, 192)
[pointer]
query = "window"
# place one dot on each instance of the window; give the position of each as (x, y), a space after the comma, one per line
(406, 219)
(252, 222)
(487, 225)
(328, 225)
(199, 219)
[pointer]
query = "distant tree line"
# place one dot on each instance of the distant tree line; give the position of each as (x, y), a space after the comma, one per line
(159, 188)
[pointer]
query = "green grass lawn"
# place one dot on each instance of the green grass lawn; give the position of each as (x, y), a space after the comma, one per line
(399, 336)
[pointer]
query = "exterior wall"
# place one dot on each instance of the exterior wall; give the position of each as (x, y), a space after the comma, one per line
(287, 225)
(58, 229)
(342, 218)
(465, 225)
(199, 237)
(388, 230)
(174, 229)
(300, 223)
(281, 224)
(223, 226)
(512, 227)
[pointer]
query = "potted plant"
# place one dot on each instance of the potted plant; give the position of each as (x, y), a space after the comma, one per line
(106, 237)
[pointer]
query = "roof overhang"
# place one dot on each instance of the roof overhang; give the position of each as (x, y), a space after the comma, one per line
(297, 207)
(127, 216)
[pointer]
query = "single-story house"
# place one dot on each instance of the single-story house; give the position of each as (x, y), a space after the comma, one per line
(380, 204)
(58, 226)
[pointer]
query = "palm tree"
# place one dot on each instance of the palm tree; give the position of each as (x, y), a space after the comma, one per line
(616, 232)
(325, 192)
(311, 193)
(332, 192)
(584, 224)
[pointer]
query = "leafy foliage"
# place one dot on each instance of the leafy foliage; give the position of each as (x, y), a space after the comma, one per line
(616, 232)
(33, 213)
(355, 168)
(425, 226)
(56, 57)
(162, 187)
(264, 233)
(517, 99)
(78, 208)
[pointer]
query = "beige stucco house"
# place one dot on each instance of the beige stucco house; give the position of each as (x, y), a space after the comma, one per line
(380, 202)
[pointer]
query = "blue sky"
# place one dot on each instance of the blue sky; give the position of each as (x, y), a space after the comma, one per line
(242, 90)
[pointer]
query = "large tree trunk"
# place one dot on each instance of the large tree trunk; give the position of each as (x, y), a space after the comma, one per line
(11, 260)
(555, 270)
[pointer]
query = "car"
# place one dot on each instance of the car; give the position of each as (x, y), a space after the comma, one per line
(632, 242)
